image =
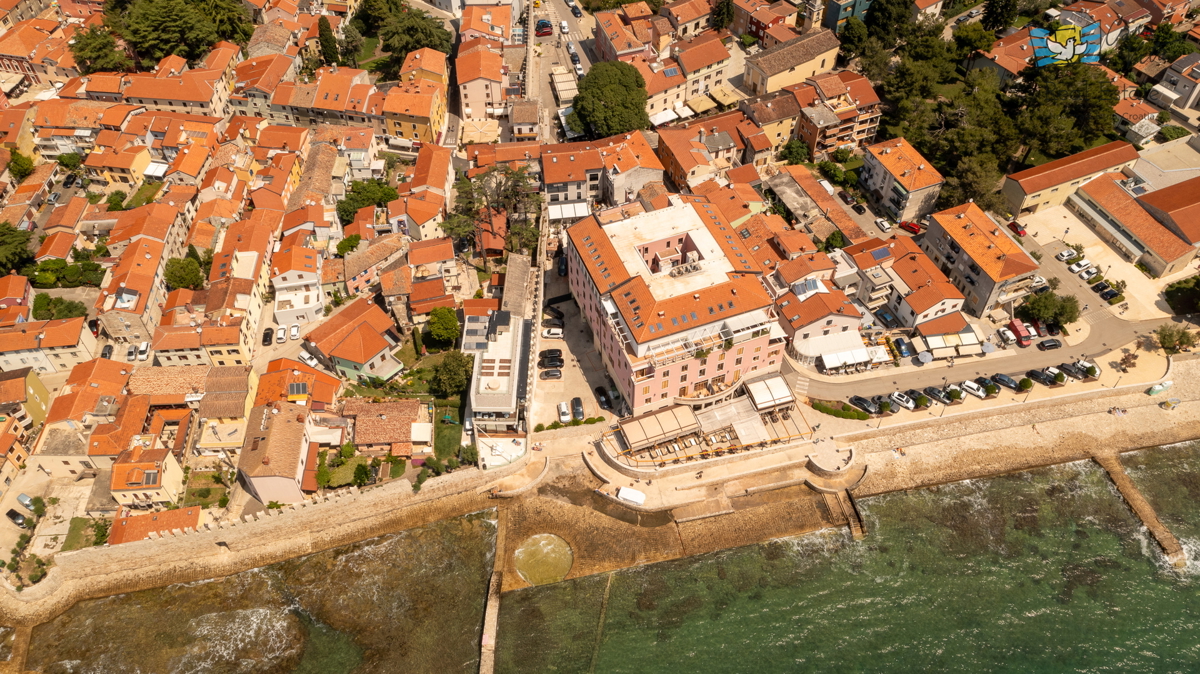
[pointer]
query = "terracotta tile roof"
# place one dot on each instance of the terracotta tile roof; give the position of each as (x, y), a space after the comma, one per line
(263, 73)
(1105, 192)
(352, 332)
(906, 165)
(12, 386)
(815, 307)
(86, 385)
(157, 382)
(800, 50)
(396, 281)
(1134, 110)
(1180, 203)
(702, 54)
(947, 324)
(288, 138)
(1059, 171)
(985, 242)
(432, 167)
(1013, 53)
(273, 384)
(825, 201)
(684, 11)
(417, 98)
(278, 450)
(41, 334)
(382, 423)
(295, 258)
(139, 527)
(430, 251)
(492, 20)
(13, 286)
(110, 439)
(425, 59)
(139, 468)
(480, 64)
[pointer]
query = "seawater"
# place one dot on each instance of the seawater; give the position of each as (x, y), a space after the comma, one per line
(408, 602)
(1042, 571)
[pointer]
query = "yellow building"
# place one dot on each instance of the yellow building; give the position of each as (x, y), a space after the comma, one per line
(416, 110)
(426, 64)
(791, 62)
(118, 170)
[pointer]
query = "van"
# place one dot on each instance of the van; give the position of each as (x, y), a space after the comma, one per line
(1018, 329)
(552, 333)
(564, 413)
(143, 350)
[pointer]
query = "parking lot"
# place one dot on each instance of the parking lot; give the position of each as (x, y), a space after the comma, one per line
(582, 371)
(1055, 228)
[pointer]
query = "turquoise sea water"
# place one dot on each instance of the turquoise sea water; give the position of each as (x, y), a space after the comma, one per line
(1043, 571)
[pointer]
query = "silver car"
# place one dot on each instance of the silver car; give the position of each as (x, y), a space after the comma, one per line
(1079, 266)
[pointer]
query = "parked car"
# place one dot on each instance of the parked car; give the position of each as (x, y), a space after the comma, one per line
(1101, 287)
(1110, 294)
(1031, 330)
(309, 359)
(562, 25)
(17, 518)
(107, 351)
(564, 413)
(1038, 329)
(574, 58)
(1089, 274)
(294, 333)
(880, 400)
(1017, 228)
(25, 501)
(1007, 336)
(554, 311)
(552, 333)
(550, 363)
(1053, 328)
(1073, 371)
(144, 351)
(1084, 366)
(914, 394)
(281, 335)
(845, 197)
(571, 48)
(131, 353)
(551, 374)
(1020, 332)
(268, 336)
(1006, 381)
(552, 323)
(1079, 266)
(602, 398)
(550, 353)
(902, 347)
(562, 266)
(962, 19)
(54, 198)
(1068, 254)
(883, 225)
(1049, 345)
(1054, 372)
(901, 400)
(859, 208)
(974, 13)
(951, 388)
(69, 181)
(910, 227)
(577, 408)
(1041, 291)
(543, 31)
(94, 326)
(578, 13)
(1040, 377)
(579, 71)
(864, 404)
(1038, 281)
(974, 389)
(935, 393)
(984, 383)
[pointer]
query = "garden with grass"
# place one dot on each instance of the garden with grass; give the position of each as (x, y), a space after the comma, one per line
(1184, 296)
(207, 489)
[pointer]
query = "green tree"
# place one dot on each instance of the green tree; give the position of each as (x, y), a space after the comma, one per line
(229, 19)
(1171, 132)
(874, 61)
(1130, 50)
(722, 14)
(348, 244)
(854, 38)
(842, 155)
(365, 193)
(96, 50)
(499, 189)
(1076, 92)
(352, 41)
(183, 273)
(832, 171)
(158, 28)
(1068, 309)
(1172, 337)
(443, 325)
(329, 49)
(794, 152)
(975, 178)
(411, 29)
(999, 14)
(1169, 44)
(836, 240)
(70, 161)
(362, 475)
(347, 451)
(14, 247)
(193, 254)
(41, 307)
(450, 377)
(116, 201)
(20, 166)
(973, 37)
(459, 227)
(887, 20)
(611, 101)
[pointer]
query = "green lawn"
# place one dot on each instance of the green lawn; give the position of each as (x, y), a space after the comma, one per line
(79, 535)
(1183, 296)
(448, 437)
(344, 474)
(368, 49)
(853, 163)
(397, 469)
(949, 89)
(1021, 21)
(143, 196)
(194, 496)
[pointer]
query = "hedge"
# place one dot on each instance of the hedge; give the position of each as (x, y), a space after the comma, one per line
(847, 412)
(1116, 300)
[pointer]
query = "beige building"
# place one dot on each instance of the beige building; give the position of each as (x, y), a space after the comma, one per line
(276, 451)
(46, 346)
(791, 62)
(1051, 183)
(899, 180)
(146, 475)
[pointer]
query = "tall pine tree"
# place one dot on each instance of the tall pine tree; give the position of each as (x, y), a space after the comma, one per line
(329, 50)
(999, 14)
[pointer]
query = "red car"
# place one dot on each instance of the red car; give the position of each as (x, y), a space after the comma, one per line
(910, 227)
(1017, 228)
(543, 32)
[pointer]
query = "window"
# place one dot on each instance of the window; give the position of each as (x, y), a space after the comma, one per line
(665, 384)
(645, 389)
(737, 362)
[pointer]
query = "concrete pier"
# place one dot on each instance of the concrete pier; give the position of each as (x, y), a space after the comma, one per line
(1142, 508)
(491, 613)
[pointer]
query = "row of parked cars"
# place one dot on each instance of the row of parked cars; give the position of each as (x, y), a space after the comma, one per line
(978, 387)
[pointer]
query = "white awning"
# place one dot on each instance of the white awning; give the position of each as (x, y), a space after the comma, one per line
(574, 211)
(969, 349)
(735, 324)
(944, 352)
(770, 393)
(822, 344)
(156, 170)
(844, 358)
(660, 118)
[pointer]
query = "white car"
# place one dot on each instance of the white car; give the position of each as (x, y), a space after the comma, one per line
(974, 389)
(883, 225)
(902, 400)
(309, 359)
(564, 413)
(1089, 274)
(1079, 266)
(562, 25)
(1054, 372)
(1038, 281)
(552, 333)
(295, 331)
(1066, 255)
(1006, 336)
(579, 71)
(1085, 366)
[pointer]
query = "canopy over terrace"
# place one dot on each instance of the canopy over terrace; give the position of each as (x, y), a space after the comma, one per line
(951, 335)
(656, 427)
(770, 394)
(576, 211)
(701, 104)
